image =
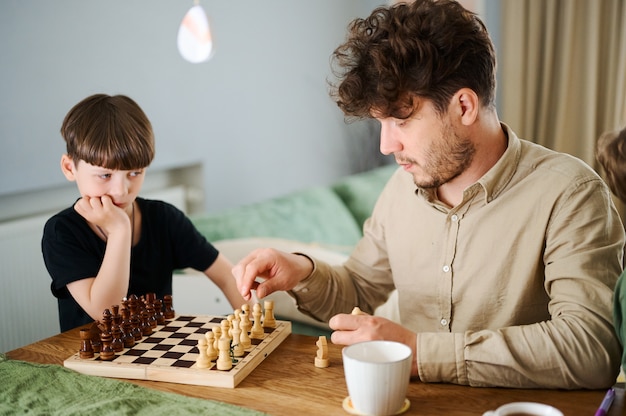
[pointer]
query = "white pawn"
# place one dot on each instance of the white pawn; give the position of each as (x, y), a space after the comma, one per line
(211, 351)
(225, 324)
(224, 362)
(230, 324)
(257, 331)
(268, 320)
(245, 318)
(203, 360)
(217, 334)
(238, 349)
(244, 338)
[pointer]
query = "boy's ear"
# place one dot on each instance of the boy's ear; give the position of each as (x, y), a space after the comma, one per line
(68, 167)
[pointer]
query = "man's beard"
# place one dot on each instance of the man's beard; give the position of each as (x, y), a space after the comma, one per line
(446, 159)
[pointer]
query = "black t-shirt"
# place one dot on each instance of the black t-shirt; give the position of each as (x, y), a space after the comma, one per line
(169, 241)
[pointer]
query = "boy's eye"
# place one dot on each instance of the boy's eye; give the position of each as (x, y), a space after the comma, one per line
(105, 176)
(136, 173)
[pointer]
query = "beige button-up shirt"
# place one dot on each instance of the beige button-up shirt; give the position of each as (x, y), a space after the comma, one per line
(513, 287)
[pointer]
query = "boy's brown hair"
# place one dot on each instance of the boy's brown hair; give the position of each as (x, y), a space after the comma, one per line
(109, 131)
(611, 154)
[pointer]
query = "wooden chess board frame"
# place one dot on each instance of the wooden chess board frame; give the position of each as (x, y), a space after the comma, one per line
(156, 371)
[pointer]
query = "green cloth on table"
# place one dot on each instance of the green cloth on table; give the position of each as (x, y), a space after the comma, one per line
(46, 389)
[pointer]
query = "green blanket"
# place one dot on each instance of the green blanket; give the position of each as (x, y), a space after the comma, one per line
(42, 389)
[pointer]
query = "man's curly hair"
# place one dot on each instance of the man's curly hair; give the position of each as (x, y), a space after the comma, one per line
(428, 49)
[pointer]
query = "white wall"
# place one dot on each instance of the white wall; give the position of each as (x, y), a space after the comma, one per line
(257, 110)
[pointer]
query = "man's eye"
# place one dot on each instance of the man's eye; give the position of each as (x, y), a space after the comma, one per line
(401, 123)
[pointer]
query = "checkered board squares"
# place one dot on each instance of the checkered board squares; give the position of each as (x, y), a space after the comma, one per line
(170, 353)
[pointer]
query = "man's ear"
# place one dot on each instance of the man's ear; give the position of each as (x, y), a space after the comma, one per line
(68, 167)
(468, 105)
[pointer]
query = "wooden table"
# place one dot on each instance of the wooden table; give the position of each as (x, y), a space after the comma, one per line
(287, 382)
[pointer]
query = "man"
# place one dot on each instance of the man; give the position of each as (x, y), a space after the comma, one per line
(505, 254)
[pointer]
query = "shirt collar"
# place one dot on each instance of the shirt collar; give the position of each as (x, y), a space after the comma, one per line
(495, 180)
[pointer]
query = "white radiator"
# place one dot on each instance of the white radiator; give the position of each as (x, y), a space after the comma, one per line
(28, 311)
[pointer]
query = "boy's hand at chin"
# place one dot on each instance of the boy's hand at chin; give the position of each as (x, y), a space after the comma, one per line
(102, 212)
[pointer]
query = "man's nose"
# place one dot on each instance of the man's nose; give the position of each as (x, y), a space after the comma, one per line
(389, 144)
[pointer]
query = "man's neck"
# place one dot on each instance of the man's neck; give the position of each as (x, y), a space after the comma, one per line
(491, 143)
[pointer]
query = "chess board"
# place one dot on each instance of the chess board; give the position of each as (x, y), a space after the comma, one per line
(170, 353)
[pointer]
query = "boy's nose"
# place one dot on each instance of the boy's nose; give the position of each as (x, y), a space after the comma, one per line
(119, 187)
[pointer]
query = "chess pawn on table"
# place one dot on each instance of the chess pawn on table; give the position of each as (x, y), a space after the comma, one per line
(106, 352)
(86, 350)
(117, 344)
(168, 310)
(217, 334)
(127, 331)
(95, 332)
(246, 324)
(152, 321)
(158, 312)
(257, 329)
(225, 329)
(224, 362)
(230, 319)
(135, 325)
(238, 349)
(146, 327)
(203, 360)
(244, 338)
(211, 351)
(268, 320)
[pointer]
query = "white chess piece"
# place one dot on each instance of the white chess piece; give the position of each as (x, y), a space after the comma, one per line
(203, 360)
(268, 320)
(211, 351)
(257, 331)
(238, 349)
(224, 362)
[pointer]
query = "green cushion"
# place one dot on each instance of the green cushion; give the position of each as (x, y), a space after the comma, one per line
(360, 191)
(314, 215)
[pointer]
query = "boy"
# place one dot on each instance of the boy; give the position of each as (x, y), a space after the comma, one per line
(111, 243)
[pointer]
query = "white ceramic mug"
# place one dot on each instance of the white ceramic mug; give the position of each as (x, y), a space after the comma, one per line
(524, 409)
(377, 375)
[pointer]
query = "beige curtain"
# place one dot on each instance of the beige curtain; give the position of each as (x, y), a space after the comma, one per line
(563, 71)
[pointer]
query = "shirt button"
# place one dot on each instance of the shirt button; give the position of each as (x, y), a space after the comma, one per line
(455, 218)
(444, 322)
(446, 268)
